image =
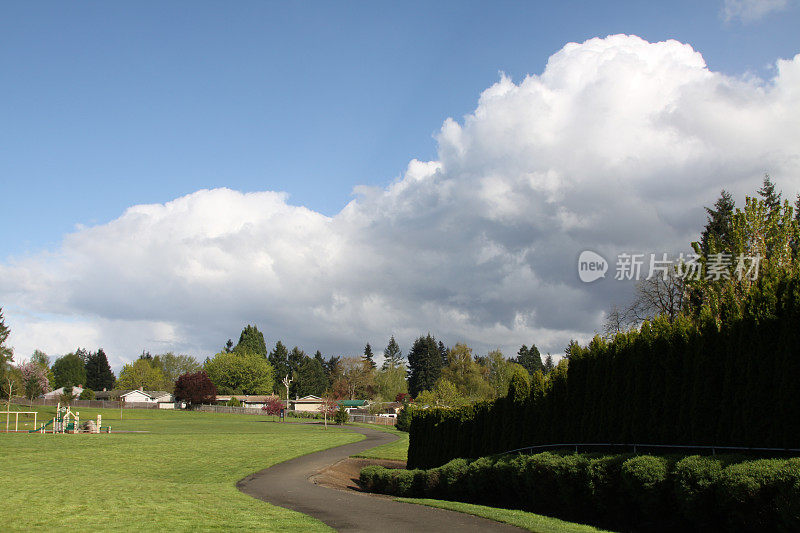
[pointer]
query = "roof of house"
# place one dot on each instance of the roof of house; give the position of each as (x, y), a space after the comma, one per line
(157, 393)
(76, 390)
(352, 403)
(250, 398)
(119, 393)
(308, 399)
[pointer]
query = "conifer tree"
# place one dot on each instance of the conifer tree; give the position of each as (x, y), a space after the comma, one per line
(424, 365)
(332, 368)
(717, 232)
(295, 360)
(443, 352)
(279, 359)
(229, 346)
(368, 356)
(771, 198)
(98, 372)
(529, 358)
(6, 353)
(392, 356)
(548, 364)
(252, 341)
(311, 377)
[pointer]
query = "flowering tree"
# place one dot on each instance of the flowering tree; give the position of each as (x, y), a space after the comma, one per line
(273, 406)
(34, 379)
(328, 408)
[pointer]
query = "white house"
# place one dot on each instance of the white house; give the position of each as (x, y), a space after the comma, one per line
(137, 396)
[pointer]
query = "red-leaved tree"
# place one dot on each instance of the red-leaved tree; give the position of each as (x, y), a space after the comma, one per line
(195, 388)
(273, 406)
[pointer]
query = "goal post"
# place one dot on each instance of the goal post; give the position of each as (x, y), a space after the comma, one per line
(26, 420)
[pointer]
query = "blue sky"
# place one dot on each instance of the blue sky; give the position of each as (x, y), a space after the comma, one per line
(146, 145)
(108, 105)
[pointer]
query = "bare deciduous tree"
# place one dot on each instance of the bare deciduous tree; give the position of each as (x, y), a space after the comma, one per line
(655, 296)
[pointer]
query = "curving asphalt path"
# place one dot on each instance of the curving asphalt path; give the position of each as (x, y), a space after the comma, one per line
(288, 485)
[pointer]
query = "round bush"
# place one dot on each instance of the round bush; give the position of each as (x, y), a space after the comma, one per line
(367, 476)
(762, 495)
(542, 470)
(419, 486)
(694, 481)
(604, 480)
(645, 481)
(573, 487)
(451, 474)
(402, 482)
(478, 483)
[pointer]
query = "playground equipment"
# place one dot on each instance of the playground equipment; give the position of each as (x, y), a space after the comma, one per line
(67, 421)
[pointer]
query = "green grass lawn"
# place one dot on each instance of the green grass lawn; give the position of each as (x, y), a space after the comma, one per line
(397, 450)
(525, 520)
(179, 476)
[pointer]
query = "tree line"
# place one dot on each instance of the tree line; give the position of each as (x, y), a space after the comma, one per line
(432, 373)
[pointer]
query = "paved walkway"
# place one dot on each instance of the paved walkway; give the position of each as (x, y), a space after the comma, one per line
(288, 485)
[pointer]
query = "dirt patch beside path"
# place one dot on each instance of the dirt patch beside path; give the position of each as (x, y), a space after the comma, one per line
(344, 474)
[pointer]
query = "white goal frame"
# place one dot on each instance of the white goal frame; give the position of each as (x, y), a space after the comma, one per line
(16, 418)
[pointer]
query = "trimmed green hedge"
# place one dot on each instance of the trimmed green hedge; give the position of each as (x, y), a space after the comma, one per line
(644, 492)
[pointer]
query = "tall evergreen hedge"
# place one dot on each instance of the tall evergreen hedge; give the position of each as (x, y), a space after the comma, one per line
(702, 381)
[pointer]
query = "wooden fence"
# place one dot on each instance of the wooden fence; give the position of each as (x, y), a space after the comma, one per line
(108, 404)
(372, 419)
(230, 410)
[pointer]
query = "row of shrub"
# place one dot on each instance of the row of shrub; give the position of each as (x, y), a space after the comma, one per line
(623, 491)
(304, 414)
(696, 381)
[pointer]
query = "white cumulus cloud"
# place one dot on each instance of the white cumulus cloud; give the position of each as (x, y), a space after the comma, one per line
(615, 146)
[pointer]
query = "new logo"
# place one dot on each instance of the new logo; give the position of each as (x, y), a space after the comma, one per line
(591, 266)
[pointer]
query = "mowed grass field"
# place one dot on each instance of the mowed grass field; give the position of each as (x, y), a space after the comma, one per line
(179, 476)
(396, 451)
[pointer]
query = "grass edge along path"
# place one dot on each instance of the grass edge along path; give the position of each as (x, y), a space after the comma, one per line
(523, 519)
(393, 451)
